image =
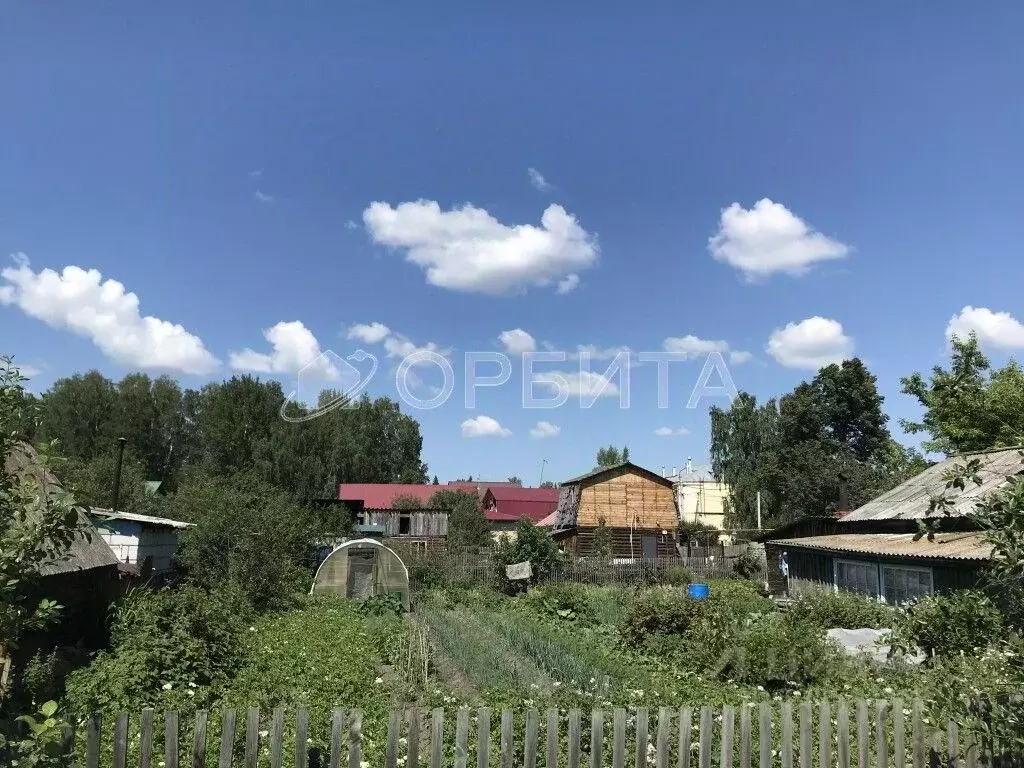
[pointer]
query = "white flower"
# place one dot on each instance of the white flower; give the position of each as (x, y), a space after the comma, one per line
(167, 686)
(264, 734)
(379, 680)
(252, 629)
(191, 692)
(364, 764)
(191, 685)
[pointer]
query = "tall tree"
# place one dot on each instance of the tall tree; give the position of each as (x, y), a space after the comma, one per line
(968, 407)
(610, 456)
(515, 480)
(79, 412)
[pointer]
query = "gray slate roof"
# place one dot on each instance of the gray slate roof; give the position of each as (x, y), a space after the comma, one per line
(88, 550)
(910, 501)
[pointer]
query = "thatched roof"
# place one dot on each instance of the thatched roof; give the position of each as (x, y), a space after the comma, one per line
(88, 550)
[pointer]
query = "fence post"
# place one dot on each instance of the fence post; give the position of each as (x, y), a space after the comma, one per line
(642, 724)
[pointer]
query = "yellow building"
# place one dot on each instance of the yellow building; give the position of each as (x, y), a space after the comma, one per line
(699, 497)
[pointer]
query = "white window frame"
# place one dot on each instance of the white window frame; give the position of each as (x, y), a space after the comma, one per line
(836, 561)
(901, 567)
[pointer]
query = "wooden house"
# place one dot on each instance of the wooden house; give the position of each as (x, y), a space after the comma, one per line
(505, 505)
(637, 506)
(147, 544)
(873, 550)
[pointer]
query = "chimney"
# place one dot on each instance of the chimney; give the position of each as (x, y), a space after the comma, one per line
(673, 471)
(689, 464)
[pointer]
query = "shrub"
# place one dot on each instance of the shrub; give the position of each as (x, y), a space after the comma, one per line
(426, 576)
(748, 564)
(658, 611)
(563, 601)
(843, 610)
(781, 651)
(530, 543)
(738, 599)
(961, 622)
(678, 576)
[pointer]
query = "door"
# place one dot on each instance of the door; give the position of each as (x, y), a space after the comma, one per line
(649, 547)
(360, 573)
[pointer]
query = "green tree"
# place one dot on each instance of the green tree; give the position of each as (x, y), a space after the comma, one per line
(515, 480)
(968, 407)
(435, 481)
(37, 520)
(406, 502)
(531, 544)
(549, 484)
(467, 524)
(80, 412)
(611, 456)
(602, 539)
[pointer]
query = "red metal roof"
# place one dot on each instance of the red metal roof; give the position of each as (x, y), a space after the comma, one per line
(514, 502)
(381, 495)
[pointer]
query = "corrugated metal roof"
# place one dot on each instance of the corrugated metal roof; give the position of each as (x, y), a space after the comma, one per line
(160, 522)
(598, 471)
(381, 495)
(88, 549)
(910, 500)
(945, 546)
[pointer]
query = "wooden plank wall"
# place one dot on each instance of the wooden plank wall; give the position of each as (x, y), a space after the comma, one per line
(423, 523)
(867, 734)
(627, 498)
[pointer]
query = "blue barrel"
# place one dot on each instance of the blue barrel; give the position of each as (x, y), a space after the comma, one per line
(698, 591)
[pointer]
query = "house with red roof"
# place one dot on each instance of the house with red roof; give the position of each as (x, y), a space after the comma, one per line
(505, 505)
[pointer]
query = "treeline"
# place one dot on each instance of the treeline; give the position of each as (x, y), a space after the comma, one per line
(223, 429)
(827, 444)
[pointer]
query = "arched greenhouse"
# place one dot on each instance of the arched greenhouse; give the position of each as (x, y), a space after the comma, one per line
(362, 569)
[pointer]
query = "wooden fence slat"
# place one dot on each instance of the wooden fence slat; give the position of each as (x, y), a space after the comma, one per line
(843, 735)
(807, 736)
(745, 736)
(412, 741)
(664, 726)
(596, 738)
(121, 741)
(863, 734)
(575, 737)
(301, 738)
(728, 719)
(436, 738)
(787, 735)
(824, 735)
(881, 739)
(552, 734)
(252, 737)
(462, 738)
(227, 739)
(146, 739)
(391, 750)
(917, 730)
(277, 738)
(706, 726)
(685, 736)
(952, 744)
(337, 738)
(506, 738)
(618, 738)
(764, 736)
(642, 736)
(199, 739)
(899, 747)
(355, 738)
(92, 742)
(530, 747)
(483, 737)
(171, 739)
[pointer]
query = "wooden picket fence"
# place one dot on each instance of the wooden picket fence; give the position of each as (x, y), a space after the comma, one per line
(784, 737)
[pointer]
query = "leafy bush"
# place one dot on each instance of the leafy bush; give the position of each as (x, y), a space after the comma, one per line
(961, 622)
(843, 610)
(169, 648)
(737, 599)
(425, 576)
(748, 564)
(678, 576)
(530, 543)
(780, 651)
(658, 611)
(564, 601)
(383, 605)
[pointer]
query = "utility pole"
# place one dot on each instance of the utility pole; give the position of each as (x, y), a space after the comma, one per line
(542, 463)
(759, 510)
(117, 472)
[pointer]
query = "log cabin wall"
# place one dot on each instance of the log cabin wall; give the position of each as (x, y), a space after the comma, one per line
(626, 498)
(420, 523)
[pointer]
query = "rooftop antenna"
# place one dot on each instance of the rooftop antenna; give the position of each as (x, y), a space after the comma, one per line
(542, 463)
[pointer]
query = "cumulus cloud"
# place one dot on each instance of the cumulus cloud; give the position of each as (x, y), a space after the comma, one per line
(483, 426)
(537, 180)
(82, 302)
(263, 197)
(467, 249)
(397, 345)
(690, 346)
(994, 329)
(350, 224)
(294, 349)
(671, 432)
(568, 283)
(517, 341)
(811, 343)
(369, 333)
(583, 384)
(769, 238)
(544, 429)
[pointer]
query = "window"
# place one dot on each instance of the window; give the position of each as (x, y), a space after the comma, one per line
(902, 584)
(857, 577)
(404, 525)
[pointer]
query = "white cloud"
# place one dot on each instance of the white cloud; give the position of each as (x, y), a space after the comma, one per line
(294, 350)
(996, 329)
(594, 352)
(517, 341)
(467, 249)
(483, 426)
(670, 432)
(256, 174)
(102, 310)
(350, 224)
(811, 343)
(584, 384)
(545, 429)
(568, 283)
(691, 346)
(28, 371)
(537, 180)
(768, 238)
(369, 333)
(263, 197)
(397, 345)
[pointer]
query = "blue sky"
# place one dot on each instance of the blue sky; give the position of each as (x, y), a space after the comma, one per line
(221, 164)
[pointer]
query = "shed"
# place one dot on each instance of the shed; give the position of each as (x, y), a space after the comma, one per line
(148, 543)
(637, 506)
(505, 505)
(361, 569)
